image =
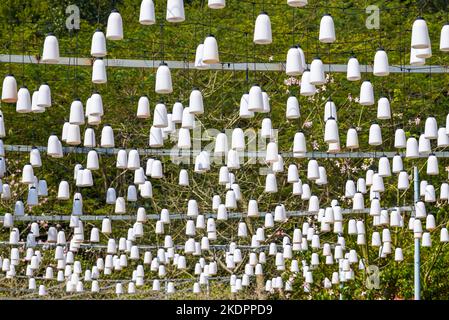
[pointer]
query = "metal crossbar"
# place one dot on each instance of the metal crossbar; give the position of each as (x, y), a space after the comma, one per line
(225, 66)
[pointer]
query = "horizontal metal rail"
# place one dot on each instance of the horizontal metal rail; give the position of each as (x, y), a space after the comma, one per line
(250, 154)
(226, 66)
(234, 215)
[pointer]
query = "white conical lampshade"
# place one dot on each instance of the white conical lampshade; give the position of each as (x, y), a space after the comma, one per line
(114, 30)
(383, 109)
(156, 138)
(160, 119)
(163, 80)
(216, 4)
(366, 94)
(299, 145)
(397, 166)
(175, 11)
(295, 63)
(399, 139)
(107, 137)
(51, 49)
(147, 16)
(307, 88)
(23, 101)
(431, 128)
(331, 131)
(244, 111)
(443, 138)
(255, 99)
(375, 135)
(143, 108)
(352, 139)
(76, 112)
(317, 76)
(312, 170)
(444, 38)
(210, 50)
(414, 59)
(98, 45)
(420, 34)
(199, 64)
(44, 97)
(432, 165)
(9, 89)
(89, 138)
(262, 29)
(292, 110)
(327, 29)
(99, 72)
(196, 102)
(353, 70)
(381, 67)
(297, 3)
(184, 141)
(411, 150)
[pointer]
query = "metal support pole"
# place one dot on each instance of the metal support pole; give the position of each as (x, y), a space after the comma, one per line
(417, 244)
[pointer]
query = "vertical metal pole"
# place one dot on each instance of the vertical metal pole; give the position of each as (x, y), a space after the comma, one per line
(417, 244)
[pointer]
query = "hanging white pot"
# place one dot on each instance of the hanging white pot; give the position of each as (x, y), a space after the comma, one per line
(23, 101)
(307, 88)
(317, 76)
(444, 38)
(375, 135)
(147, 16)
(95, 105)
(160, 119)
(175, 11)
(414, 59)
(384, 167)
(196, 102)
(163, 79)
(353, 69)
(63, 191)
(183, 178)
(184, 141)
(99, 75)
(199, 64)
(92, 160)
(292, 174)
(216, 4)
(423, 53)
(114, 29)
(330, 110)
(73, 135)
(378, 183)
(98, 45)
(295, 62)
(244, 112)
(366, 94)
(34, 107)
(210, 50)
(444, 235)
(238, 140)
(424, 146)
(267, 129)
(107, 137)
(443, 138)
(399, 139)
(265, 102)
(331, 131)
(327, 29)
(156, 139)
(9, 89)
(297, 3)
(397, 164)
(177, 112)
(253, 209)
(270, 183)
(292, 110)
(299, 145)
(431, 128)
(352, 139)
(51, 49)
(262, 29)
(255, 102)
(76, 113)
(444, 191)
(54, 147)
(381, 67)
(312, 170)
(432, 165)
(420, 34)
(383, 109)
(44, 96)
(272, 152)
(297, 188)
